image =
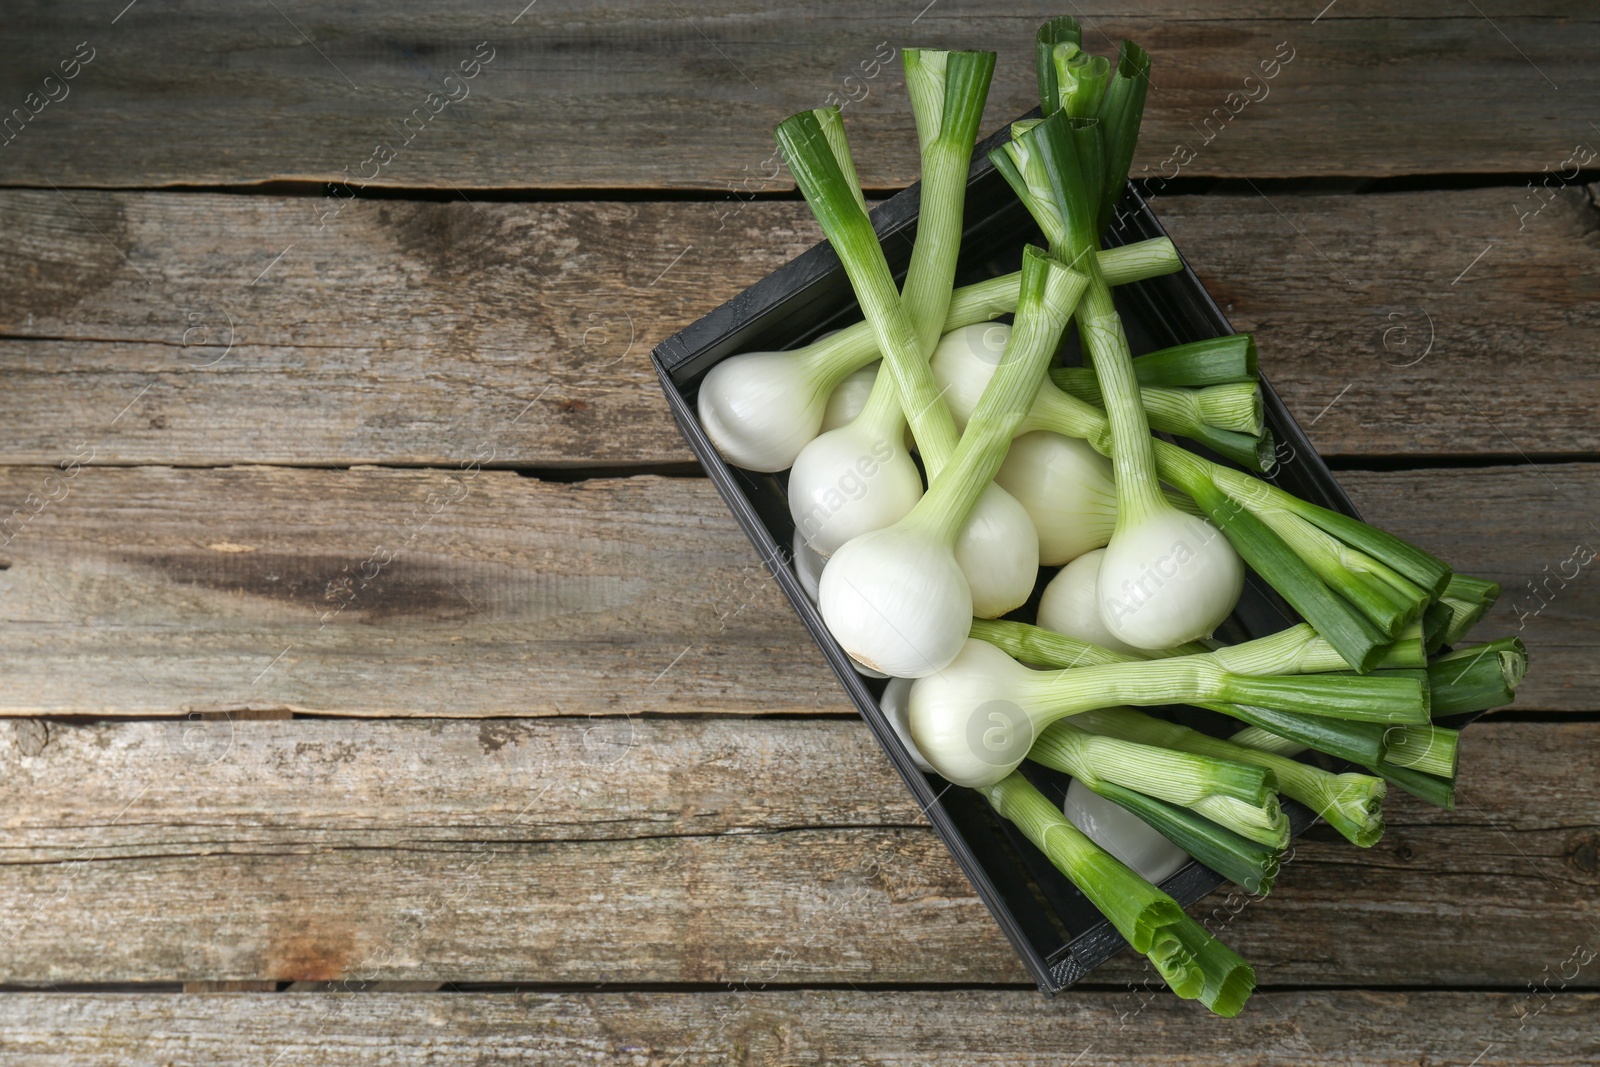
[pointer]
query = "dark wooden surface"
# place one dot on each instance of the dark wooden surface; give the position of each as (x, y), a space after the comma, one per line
(562, 780)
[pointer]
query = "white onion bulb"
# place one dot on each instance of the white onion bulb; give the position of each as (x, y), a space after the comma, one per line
(897, 573)
(807, 566)
(849, 397)
(1067, 490)
(1167, 578)
(896, 705)
(963, 362)
(1123, 834)
(853, 480)
(761, 408)
(998, 551)
(1070, 604)
(963, 722)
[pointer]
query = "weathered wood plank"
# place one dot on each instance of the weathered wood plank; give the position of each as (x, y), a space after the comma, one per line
(1526, 526)
(389, 592)
(531, 851)
(154, 591)
(1413, 324)
(645, 95)
(965, 1027)
(417, 333)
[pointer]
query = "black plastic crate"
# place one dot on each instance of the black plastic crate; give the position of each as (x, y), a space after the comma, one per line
(1057, 932)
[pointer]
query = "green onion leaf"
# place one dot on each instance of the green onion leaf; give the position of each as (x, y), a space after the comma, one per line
(1235, 857)
(1478, 677)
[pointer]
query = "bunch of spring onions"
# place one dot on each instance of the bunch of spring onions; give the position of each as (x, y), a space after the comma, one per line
(946, 460)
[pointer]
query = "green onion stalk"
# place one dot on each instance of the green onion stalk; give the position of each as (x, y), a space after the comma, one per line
(1478, 677)
(1224, 813)
(1213, 361)
(948, 91)
(1422, 759)
(1243, 797)
(761, 409)
(1229, 980)
(1433, 789)
(1351, 803)
(1224, 418)
(1235, 406)
(1234, 856)
(1358, 742)
(1464, 601)
(1186, 956)
(896, 598)
(1425, 748)
(1297, 649)
(1356, 584)
(975, 719)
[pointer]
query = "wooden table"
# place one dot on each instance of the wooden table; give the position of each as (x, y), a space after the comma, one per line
(384, 684)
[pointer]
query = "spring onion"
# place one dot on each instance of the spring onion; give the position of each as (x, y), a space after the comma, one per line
(1167, 576)
(1232, 407)
(1151, 836)
(1227, 419)
(1039, 647)
(995, 544)
(896, 599)
(1070, 603)
(1351, 803)
(1358, 742)
(1422, 758)
(976, 718)
(761, 408)
(1241, 797)
(1141, 913)
(1296, 649)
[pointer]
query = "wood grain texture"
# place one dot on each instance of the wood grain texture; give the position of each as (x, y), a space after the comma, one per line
(966, 1027)
(542, 747)
(371, 592)
(418, 332)
(656, 850)
(390, 592)
(650, 95)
